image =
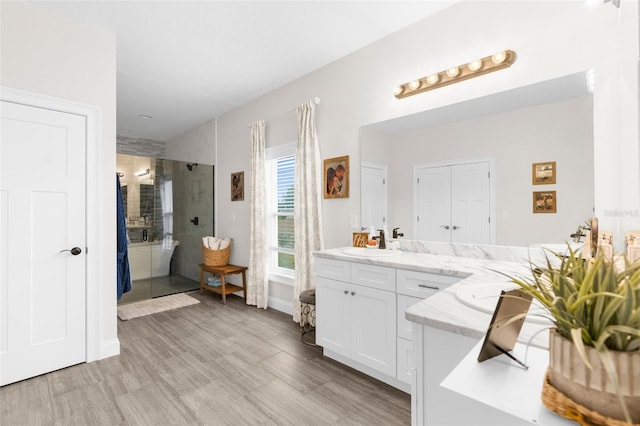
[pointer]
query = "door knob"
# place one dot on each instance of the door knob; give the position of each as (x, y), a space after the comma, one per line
(444, 226)
(456, 227)
(74, 251)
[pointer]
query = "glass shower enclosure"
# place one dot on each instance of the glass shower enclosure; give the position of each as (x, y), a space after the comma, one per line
(169, 208)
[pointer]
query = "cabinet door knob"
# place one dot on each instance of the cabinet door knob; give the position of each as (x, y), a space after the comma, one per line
(353, 293)
(444, 226)
(346, 292)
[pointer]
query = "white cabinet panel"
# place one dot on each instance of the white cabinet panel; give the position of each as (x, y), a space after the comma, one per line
(422, 284)
(380, 277)
(374, 317)
(333, 315)
(405, 328)
(333, 269)
(405, 360)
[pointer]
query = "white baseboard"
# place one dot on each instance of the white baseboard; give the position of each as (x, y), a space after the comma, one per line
(281, 305)
(109, 348)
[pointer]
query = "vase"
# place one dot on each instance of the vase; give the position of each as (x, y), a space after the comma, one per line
(591, 387)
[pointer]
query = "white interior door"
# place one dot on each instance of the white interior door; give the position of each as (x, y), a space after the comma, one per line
(453, 203)
(374, 195)
(42, 213)
(470, 209)
(433, 203)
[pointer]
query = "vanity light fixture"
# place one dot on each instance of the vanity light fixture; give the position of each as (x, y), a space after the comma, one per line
(476, 68)
(433, 78)
(452, 72)
(143, 172)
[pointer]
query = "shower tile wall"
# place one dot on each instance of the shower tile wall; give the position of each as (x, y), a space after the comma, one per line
(140, 147)
(193, 196)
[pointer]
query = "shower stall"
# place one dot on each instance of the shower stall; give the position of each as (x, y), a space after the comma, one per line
(169, 208)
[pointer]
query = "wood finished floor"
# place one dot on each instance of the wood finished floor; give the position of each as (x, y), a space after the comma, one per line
(207, 364)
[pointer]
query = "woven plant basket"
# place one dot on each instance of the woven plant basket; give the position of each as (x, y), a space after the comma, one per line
(571, 388)
(216, 257)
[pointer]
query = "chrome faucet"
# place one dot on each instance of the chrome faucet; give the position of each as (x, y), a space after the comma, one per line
(397, 234)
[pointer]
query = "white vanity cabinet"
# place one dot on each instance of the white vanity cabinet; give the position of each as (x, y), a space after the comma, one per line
(413, 287)
(360, 315)
(356, 315)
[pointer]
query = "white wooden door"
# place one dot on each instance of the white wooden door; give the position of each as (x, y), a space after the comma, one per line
(42, 213)
(373, 195)
(454, 203)
(433, 202)
(470, 209)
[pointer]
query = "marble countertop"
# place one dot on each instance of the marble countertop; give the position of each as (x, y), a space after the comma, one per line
(481, 272)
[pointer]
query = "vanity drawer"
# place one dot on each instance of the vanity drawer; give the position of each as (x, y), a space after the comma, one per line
(380, 277)
(422, 284)
(333, 269)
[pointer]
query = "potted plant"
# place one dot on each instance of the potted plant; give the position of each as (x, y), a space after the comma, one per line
(594, 346)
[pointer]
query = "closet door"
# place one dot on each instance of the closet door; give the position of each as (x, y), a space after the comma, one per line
(453, 203)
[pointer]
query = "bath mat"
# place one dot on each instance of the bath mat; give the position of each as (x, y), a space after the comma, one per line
(153, 306)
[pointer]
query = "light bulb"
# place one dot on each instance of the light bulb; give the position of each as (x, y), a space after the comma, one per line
(475, 65)
(499, 57)
(414, 84)
(452, 72)
(433, 78)
(398, 90)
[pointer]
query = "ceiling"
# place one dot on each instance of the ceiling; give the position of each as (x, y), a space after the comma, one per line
(185, 62)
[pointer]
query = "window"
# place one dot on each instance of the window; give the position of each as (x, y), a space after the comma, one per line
(280, 187)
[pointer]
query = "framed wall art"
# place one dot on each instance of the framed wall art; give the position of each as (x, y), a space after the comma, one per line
(544, 201)
(237, 186)
(336, 177)
(543, 173)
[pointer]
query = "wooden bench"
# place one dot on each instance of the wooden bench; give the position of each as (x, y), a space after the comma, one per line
(224, 288)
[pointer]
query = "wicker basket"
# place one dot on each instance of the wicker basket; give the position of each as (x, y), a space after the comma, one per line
(216, 257)
(564, 406)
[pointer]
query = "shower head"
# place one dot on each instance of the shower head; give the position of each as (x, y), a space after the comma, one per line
(190, 166)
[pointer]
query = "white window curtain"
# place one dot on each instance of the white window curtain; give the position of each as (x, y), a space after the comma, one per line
(307, 203)
(258, 275)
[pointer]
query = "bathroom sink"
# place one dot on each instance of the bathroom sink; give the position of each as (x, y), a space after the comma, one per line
(367, 252)
(484, 298)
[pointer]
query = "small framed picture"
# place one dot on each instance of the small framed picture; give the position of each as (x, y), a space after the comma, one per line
(544, 201)
(543, 173)
(237, 186)
(336, 177)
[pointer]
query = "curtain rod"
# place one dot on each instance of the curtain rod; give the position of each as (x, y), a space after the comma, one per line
(316, 101)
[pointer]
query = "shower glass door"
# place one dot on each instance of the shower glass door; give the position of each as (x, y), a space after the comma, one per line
(162, 199)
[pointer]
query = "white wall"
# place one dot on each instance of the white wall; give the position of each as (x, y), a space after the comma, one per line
(552, 39)
(559, 131)
(45, 54)
(196, 145)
